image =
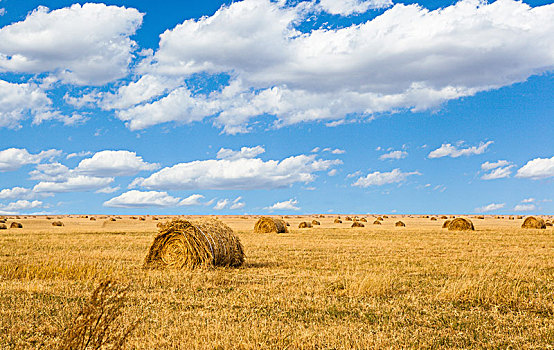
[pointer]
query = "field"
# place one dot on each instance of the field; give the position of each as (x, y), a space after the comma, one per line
(327, 287)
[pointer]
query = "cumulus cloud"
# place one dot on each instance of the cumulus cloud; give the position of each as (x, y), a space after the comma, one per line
(138, 199)
(245, 152)
(455, 151)
(493, 165)
(12, 159)
(241, 174)
(536, 169)
(20, 205)
(528, 200)
(525, 207)
(191, 200)
(86, 44)
(237, 204)
(394, 155)
(74, 183)
(78, 154)
(498, 170)
(227, 203)
(114, 163)
(490, 207)
(55, 172)
(379, 179)
(286, 205)
(16, 192)
(408, 57)
(18, 101)
(349, 7)
(221, 204)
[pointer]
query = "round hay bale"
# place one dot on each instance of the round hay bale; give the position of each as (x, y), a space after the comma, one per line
(533, 222)
(315, 222)
(548, 224)
(142, 219)
(16, 225)
(304, 224)
(385, 216)
(363, 220)
(461, 224)
(92, 218)
(519, 217)
(57, 223)
(446, 223)
(379, 218)
(444, 217)
(376, 222)
(3, 227)
(189, 244)
(338, 221)
(357, 224)
(270, 225)
(433, 219)
(348, 218)
(400, 224)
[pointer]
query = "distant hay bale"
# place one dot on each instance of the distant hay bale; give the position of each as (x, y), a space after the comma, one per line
(189, 244)
(446, 223)
(270, 225)
(154, 218)
(379, 218)
(444, 217)
(363, 220)
(400, 224)
(533, 222)
(548, 223)
(519, 217)
(92, 218)
(357, 224)
(315, 222)
(3, 227)
(511, 218)
(433, 219)
(304, 224)
(57, 223)
(338, 221)
(16, 225)
(376, 222)
(385, 217)
(481, 217)
(112, 219)
(142, 219)
(461, 224)
(348, 218)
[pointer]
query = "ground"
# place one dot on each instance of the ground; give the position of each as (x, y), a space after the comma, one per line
(327, 287)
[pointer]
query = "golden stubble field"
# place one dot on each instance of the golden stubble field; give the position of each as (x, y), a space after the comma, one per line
(328, 287)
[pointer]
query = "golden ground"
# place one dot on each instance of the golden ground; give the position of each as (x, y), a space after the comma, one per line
(328, 287)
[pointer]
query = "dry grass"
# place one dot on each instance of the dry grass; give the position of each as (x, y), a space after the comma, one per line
(330, 287)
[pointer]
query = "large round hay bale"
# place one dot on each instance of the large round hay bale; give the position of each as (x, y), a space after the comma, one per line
(400, 224)
(338, 221)
(3, 227)
(533, 222)
(376, 222)
(189, 244)
(446, 223)
(357, 224)
(461, 224)
(270, 225)
(57, 223)
(315, 222)
(548, 224)
(16, 225)
(304, 224)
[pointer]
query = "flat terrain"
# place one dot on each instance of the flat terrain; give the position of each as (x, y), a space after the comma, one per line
(327, 287)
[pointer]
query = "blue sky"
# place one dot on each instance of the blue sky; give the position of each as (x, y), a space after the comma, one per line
(277, 107)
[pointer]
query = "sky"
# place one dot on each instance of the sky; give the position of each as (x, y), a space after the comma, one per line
(276, 107)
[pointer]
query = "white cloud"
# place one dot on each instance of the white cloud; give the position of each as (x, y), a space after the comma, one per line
(538, 168)
(525, 207)
(114, 163)
(405, 58)
(12, 159)
(192, 200)
(315, 150)
(338, 151)
(223, 174)
(54, 172)
(20, 205)
(227, 203)
(498, 173)
(2, 11)
(108, 189)
(245, 152)
(86, 44)
(74, 183)
(378, 179)
(354, 174)
(448, 150)
(16, 192)
(528, 200)
(332, 172)
(221, 204)
(138, 199)
(490, 207)
(493, 165)
(237, 204)
(78, 154)
(286, 205)
(349, 7)
(394, 155)
(18, 101)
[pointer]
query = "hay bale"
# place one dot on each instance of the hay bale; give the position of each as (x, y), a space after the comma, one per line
(189, 244)
(461, 224)
(519, 217)
(385, 217)
(400, 224)
(270, 225)
(92, 218)
(446, 223)
(142, 219)
(348, 218)
(379, 218)
(433, 219)
(548, 224)
(357, 224)
(376, 222)
(315, 222)
(3, 227)
(304, 224)
(338, 221)
(481, 217)
(444, 217)
(533, 222)
(16, 225)
(363, 220)
(57, 223)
